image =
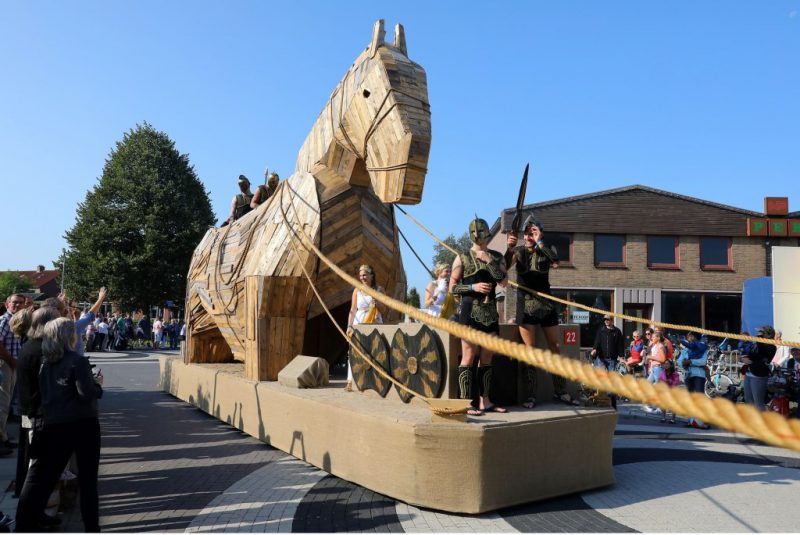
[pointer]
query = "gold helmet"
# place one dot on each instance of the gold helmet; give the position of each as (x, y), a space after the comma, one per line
(273, 180)
(478, 230)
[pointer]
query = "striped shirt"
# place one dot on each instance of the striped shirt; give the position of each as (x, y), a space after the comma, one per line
(12, 343)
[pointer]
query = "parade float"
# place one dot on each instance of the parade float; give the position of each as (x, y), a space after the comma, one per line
(262, 309)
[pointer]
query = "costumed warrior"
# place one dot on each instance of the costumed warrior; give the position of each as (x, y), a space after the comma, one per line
(363, 310)
(436, 291)
(474, 277)
(263, 193)
(240, 205)
(534, 260)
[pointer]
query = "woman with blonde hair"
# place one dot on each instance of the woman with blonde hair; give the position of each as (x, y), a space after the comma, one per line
(69, 396)
(363, 309)
(436, 291)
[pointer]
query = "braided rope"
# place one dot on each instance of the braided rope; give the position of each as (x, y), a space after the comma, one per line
(363, 354)
(677, 327)
(769, 427)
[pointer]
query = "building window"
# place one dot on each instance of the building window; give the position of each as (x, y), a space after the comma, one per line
(707, 310)
(609, 250)
(682, 308)
(602, 299)
(662, 252)
(715, 253)
(723, 312)
(562, 241)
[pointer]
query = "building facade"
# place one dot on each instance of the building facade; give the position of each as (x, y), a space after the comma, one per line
(648, 253)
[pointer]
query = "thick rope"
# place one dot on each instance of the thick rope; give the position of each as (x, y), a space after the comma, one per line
(768, 427)
(356, 347)
(634, 319)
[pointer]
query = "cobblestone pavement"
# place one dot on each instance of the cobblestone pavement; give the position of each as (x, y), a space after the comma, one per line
(166, 466)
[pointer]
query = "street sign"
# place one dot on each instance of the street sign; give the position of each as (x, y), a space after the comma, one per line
(580, 317)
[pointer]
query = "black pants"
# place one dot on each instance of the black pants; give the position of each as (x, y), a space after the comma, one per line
(23, 458)
(99, 338)
(51, 449)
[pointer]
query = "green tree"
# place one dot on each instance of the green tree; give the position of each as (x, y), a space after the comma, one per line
(12, 282)
(137, 228)
(412, 297)
(442, 254)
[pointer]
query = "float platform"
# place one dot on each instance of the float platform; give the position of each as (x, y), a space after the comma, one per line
(482, 464)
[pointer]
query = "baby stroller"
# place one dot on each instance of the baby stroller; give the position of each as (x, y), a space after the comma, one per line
(781, 385)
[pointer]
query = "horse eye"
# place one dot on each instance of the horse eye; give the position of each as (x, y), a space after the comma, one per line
(366, 93)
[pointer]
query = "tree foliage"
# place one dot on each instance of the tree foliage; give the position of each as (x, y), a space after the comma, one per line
(412, 297)
(12, 282)
(441, 254)
(137, 229)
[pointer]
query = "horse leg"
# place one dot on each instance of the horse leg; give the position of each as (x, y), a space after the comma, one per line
(275, 319)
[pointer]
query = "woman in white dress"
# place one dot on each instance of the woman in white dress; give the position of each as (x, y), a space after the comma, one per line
(363, 309)
(436, 291)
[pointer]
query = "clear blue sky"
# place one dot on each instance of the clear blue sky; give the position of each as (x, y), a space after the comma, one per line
(699, 98)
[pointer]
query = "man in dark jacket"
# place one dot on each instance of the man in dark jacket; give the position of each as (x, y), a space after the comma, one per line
(608, 347)
(608, 343)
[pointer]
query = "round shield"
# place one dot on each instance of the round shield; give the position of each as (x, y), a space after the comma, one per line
(417, 362)
(364, 375)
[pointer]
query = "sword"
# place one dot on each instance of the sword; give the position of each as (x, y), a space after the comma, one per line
(517, 221)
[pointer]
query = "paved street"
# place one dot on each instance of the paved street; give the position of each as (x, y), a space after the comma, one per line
(166, 466)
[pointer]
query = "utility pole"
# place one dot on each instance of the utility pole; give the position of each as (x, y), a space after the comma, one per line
(63, 267)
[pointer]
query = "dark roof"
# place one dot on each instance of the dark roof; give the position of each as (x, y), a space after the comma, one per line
(508, 214)
(40, 278)
(793, 215)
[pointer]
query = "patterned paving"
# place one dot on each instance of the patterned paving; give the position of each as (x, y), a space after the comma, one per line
(166, 466)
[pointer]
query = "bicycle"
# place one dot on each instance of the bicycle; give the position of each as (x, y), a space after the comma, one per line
(723, 372)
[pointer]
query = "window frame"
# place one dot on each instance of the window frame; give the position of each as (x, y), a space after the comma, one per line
(657, 265)
(611, 265)
(715, 267)
(561, 262)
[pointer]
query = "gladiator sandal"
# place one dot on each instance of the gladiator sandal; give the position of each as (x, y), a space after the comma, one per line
(531, 384)
(485, 385)
(465, 387)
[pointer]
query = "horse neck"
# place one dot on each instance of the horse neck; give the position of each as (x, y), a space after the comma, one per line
(321, 155)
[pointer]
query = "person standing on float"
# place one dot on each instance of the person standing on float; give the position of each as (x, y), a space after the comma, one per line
(534, 259)
(474, 277)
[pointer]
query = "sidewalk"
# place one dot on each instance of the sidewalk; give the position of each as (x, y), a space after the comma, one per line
(69, 512)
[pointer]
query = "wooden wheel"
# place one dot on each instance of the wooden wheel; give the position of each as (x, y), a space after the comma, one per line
(364, 375)
(417, 363)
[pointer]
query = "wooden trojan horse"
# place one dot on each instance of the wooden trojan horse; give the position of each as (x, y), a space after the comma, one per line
(247, 298)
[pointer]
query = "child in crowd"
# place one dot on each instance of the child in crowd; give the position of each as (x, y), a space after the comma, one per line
(637, 350)
(670, 376)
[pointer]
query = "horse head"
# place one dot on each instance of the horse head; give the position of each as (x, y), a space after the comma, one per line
(377, 123)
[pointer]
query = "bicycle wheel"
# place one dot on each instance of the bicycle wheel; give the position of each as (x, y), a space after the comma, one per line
(717, 385)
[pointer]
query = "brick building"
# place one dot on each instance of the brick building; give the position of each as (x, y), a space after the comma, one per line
(648, 253)
(44, 282)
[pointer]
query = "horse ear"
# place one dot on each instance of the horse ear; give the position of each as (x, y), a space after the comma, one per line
(400, 39)
(378, 35)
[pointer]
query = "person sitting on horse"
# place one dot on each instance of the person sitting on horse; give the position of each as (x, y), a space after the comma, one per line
(263, 193)
(240, 204)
